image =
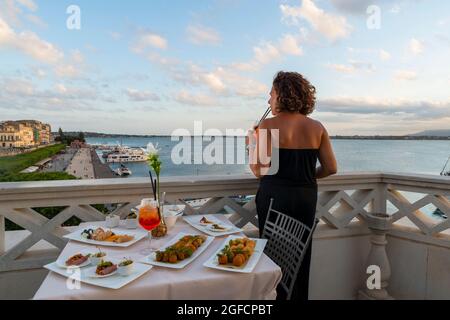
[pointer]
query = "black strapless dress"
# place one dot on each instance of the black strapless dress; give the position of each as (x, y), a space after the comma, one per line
(294, 190)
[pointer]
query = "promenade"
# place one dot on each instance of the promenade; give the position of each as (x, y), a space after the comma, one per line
(101, 170)
(81, 165)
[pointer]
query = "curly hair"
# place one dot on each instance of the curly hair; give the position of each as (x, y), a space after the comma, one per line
(295, 93)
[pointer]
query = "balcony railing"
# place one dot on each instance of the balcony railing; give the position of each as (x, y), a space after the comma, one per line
(343, 204)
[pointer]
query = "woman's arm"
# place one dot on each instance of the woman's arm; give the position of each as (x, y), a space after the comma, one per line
(328, 165)
(260, 150)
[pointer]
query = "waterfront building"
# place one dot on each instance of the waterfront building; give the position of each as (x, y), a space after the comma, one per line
(24, 134)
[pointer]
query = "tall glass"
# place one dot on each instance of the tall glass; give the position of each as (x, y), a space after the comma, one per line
(149, 219)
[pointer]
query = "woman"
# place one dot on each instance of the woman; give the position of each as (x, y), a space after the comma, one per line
(300, 141)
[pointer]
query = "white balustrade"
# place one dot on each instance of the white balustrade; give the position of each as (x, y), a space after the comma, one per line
(344, 200)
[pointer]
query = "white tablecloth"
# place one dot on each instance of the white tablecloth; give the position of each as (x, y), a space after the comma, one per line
(193, 282)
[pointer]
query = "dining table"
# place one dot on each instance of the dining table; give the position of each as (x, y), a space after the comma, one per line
(193, 282)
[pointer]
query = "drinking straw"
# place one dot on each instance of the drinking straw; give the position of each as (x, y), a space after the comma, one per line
(264, 116)
(153, 184)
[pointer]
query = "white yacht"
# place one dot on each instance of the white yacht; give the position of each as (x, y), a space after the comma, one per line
(123, 171)
(126, 154)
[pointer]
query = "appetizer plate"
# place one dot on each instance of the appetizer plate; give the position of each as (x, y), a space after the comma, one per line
(151, 259)
(115, 281)
(61, 262)
(248, 267)
(194, 221)
(138, 235)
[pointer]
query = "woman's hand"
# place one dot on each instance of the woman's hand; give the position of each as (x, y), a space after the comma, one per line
(327, 159)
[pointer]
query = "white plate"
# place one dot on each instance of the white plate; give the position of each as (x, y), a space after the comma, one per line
(138, 235)
(194, 220)
(61, 262)
(114, 282)
(151, 259)
(91, 273)
(213, 262)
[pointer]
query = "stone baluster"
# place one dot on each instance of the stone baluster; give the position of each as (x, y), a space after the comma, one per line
(379, 224)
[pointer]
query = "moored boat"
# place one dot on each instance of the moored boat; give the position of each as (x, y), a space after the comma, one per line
(123, 171)
(126, 154)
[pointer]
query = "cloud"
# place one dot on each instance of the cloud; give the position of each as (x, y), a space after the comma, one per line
(29, 4)
(149, 39)
(203, 35)
(333, 27)
(187, 98)
(416, 47)
(139, 96)
(290, 45)
(213, 81)
(36, 20)
(405, 75)
(18, 87)
(30, 44)
(427, 109)
(11, 10)
(68, 71)
(161, 60)
(38, 72)
(341, 68)
(353, 66)
(266, 53)
(77, 57)
(73, 67)
(24, 94)
(241, 85)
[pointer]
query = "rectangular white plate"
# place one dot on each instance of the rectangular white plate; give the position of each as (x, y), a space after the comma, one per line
(194, 221)
(115, 281)
(151, 259)
(138, 235)
(213, 262)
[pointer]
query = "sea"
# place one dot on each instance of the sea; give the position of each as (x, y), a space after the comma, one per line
(399, 156)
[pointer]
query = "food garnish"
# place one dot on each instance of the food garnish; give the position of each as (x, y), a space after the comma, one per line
(99, 254)
(125, 262)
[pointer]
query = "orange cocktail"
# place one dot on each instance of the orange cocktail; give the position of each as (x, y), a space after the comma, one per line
(149, 219)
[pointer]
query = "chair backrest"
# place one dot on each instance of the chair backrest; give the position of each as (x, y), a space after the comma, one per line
(288, 240)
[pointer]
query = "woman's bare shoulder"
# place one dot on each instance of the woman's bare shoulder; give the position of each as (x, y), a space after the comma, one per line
(267, 123)
(317, 125)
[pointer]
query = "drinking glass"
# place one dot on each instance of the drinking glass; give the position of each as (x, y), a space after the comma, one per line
(149, 219)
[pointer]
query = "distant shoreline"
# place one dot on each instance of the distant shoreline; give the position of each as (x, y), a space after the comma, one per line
(336, 137)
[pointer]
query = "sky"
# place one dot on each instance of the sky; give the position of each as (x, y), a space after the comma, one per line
(150, 67)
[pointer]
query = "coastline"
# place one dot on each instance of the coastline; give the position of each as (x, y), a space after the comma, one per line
(334, 137)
